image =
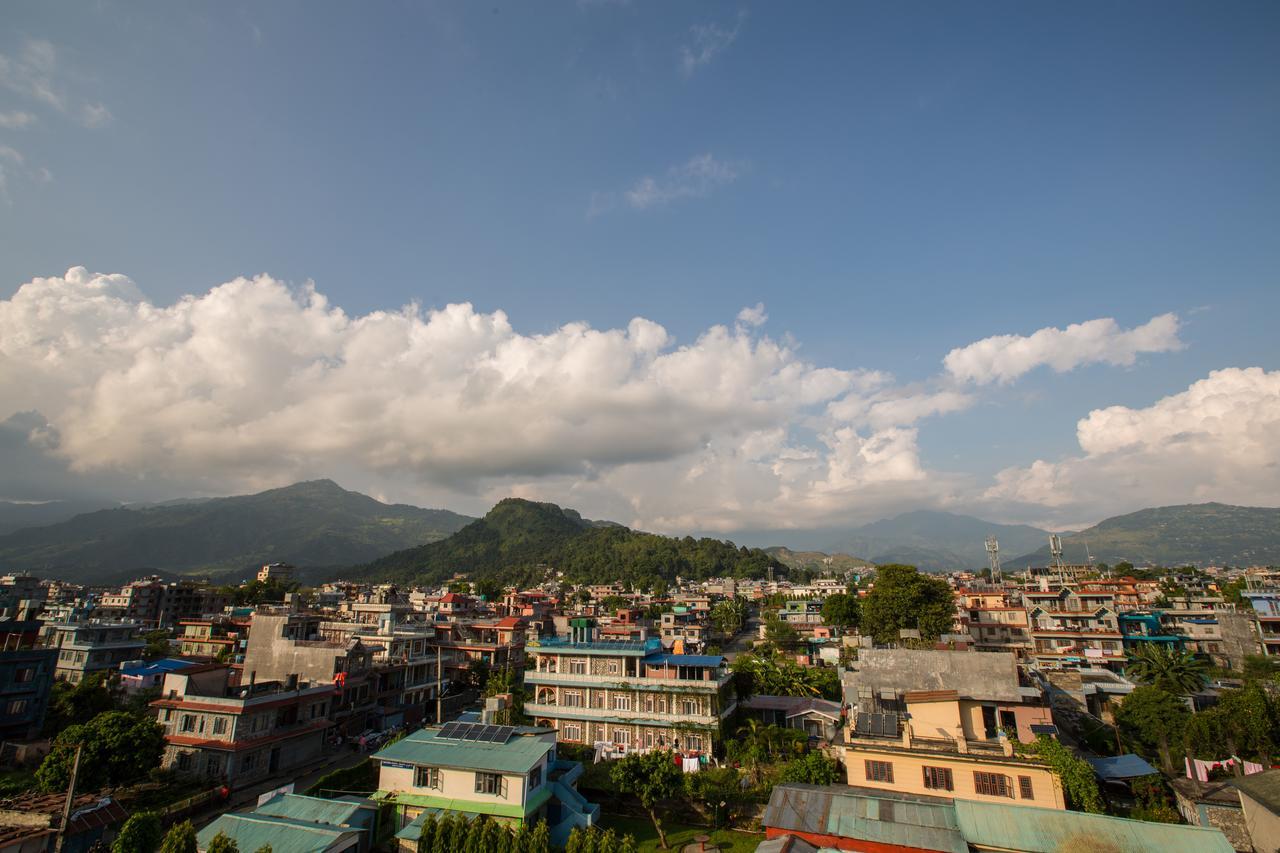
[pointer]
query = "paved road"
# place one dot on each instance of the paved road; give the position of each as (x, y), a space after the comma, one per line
(744, 639)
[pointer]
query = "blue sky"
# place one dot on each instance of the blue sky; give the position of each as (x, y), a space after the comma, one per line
(890, 181)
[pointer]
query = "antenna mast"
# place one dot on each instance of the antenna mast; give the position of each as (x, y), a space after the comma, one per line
(1055, 550)
(993, 557)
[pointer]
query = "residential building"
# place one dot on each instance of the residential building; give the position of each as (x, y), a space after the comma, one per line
(628, 694)
(137, 676)
(293, 822)
(1266, 609)
(939, 723)
(278, 572)
(26, 677)
(1212, 627)
(1073, 629)
(219, 637)
(817, 718)
(683, 630)
(1260, 803)
(498, 644)
(995, 620)
(833, 817)
(92, 646)
(240, 734)
(510, 773)
(31, 823)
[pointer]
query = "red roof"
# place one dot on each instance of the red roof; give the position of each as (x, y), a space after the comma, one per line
(453, 598)
(510, 622)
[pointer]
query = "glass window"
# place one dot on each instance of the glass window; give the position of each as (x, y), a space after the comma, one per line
(220, 725)
(1024, 788)
(488, 783)
(426, 777)
(938, 778)
(188, 723)
(879, 771)
(992, 784)
(535, 777)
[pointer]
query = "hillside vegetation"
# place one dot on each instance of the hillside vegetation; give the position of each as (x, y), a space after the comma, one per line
(312, 524)
(1209, 534)
(816, 561)
(518, 541)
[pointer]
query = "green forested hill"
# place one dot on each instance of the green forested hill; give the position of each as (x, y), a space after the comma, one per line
(519, 540)
(1209, 534)
(816, 561)
(312, 524)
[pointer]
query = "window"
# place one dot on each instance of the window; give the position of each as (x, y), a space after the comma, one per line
(577, 666)
(426, 777)
(992, 784)
(613, 667)
(249, 762)
(489, 783)
(184, 760)
(188, 723)
(24, 675)
(1024, 788)
(693, 742)
(220, 725)
(571, 699)
(621, 703)
(535, 777)
(572, 732)
(879, 771)
(690, 707)
(16, 706)
(938, 778)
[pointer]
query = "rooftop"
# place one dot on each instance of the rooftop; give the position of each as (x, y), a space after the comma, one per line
(974, 675)
(1263, 788)
(518, 754)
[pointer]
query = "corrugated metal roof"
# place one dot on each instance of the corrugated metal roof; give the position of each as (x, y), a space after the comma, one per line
(683, 660)
(314, 809)
(517, 755)
(866, 814)
(1121, 767)
(253, 831)
(1039, 830)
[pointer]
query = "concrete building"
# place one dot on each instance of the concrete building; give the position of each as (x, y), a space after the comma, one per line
(1266, 610)
(995, 620)
(939, 723)
(498, 644)
(1260, 802)
(1073, 629)
(240, 734)
(279, 572)
(92, 646)
(218, 637)
(510, 773)
(629, 695)
(26, 677)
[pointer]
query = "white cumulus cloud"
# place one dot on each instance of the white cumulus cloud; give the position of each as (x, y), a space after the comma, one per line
(1219, 440)
(1004, 358)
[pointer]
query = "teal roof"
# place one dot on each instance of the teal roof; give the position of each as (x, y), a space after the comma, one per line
(1039, 830)
(317, 810)
(252, 831)
(520, 754)
(867, 814)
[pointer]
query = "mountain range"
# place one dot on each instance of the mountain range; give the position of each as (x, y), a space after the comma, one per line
(1209, 534)
(311, 524)
(936, 541)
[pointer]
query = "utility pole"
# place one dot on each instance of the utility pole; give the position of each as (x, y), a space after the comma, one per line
(439, 686)
(66, 807)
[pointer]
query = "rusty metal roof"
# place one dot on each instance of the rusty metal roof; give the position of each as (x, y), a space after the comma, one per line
(868, 814)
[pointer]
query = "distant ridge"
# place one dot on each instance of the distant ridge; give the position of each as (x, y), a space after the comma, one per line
(312, 524)
(1210, 534)
(816, 561)
(935, 541)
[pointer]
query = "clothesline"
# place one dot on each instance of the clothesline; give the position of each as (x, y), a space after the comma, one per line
(1197, 769)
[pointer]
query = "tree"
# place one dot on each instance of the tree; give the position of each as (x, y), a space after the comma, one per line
(1245, 722)
(181, 838)
(779, 632)
(141, 833)
(427, 837)
(540, 837)
(475, 835)
(1175, 671)
(1078, 780)
(221, 843)
(905, 598)
(72, 703)
(478, 673)
(842, 610)
(1151, 719)
(489, 589)
(116, 747)
(1259, 667)
(651, 778)
(157, 644)
(813, 768)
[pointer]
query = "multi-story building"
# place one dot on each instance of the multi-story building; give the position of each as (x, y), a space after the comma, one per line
(995, 621)
(240, 733)
(156, 603)
(218, 637)
(26, 676)
(1070, 628)
(511, 774)
(498, 644)
(939, 723)
(278, 572)
(1266, 610)
(20, 595)
(92, 646)
(628, 694)
(683, 630)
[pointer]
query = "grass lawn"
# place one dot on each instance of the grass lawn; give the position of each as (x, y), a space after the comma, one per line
(679, 835)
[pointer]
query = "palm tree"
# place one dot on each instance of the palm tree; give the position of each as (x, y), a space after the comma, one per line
(1175, 670)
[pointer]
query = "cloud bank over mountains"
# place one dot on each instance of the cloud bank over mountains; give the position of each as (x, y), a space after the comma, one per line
(256, 383)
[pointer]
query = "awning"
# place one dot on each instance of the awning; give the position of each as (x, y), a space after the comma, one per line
(1121, 767)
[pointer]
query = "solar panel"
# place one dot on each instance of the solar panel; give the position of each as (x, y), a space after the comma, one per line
(478, 732)
(449, 730)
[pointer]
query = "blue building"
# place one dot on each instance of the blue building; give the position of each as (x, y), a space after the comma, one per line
(26, 677)
(1138, 627)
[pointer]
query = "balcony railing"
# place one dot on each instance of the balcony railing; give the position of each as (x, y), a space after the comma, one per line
(540, 709)
(623, 682)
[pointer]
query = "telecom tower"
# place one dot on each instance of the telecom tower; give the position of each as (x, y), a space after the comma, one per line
(993, 557)
(1055, 551)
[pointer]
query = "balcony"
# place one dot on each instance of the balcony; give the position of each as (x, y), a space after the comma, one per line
(542, 709)
(623, 682)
